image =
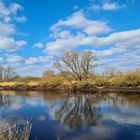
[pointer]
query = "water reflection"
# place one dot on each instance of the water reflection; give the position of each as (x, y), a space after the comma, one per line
(74, 116)
(5, 100)
(78, 112)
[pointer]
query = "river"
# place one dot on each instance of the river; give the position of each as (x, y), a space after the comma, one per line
(65, 116)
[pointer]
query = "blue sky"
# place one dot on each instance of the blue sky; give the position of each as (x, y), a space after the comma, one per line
(35, 33)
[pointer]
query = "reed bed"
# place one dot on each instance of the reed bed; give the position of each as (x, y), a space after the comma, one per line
(19, 131)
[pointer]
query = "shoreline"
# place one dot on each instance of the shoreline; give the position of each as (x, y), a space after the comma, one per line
(73, 89)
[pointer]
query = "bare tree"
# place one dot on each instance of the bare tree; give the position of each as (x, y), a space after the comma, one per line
(47, 73)
(1, 73)
(7, 73)
(112, 71)
(76, 65)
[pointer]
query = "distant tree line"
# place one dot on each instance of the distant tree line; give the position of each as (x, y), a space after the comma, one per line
(7, 73)
(73, 66)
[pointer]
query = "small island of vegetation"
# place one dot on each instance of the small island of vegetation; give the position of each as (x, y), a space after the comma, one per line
(75, 72)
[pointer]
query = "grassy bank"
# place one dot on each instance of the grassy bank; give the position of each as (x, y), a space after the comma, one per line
(52, 81)
(41, 85)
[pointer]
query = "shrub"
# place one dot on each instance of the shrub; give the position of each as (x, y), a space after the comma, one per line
(27, 79)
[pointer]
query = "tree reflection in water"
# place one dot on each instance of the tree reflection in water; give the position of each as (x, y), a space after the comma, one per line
(5, 100)
(79, 111)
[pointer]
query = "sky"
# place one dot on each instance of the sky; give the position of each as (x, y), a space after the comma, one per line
(35, 33)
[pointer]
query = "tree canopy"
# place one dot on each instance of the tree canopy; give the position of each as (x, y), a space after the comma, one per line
(77, 65)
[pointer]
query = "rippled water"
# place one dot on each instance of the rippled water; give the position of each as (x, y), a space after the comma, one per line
(62, 116)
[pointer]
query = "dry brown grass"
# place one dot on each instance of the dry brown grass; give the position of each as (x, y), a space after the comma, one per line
(131, 79)
(19, 131)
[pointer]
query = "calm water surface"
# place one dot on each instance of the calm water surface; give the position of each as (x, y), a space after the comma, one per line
(62, 116)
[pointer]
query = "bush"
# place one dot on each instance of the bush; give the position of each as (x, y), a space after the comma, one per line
(102, 81)
(54, 80)
(27, 79)
(129, 79)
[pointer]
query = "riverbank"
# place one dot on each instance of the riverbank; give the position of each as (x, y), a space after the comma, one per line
(119, 89)
(74, 87)
(58, 82)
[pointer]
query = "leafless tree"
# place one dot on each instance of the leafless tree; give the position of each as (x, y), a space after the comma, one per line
(7, 73)
(77, 65)
(1, 73)
(112, 71)
(48, 73)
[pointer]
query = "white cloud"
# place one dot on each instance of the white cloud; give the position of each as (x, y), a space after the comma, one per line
(21, 19)
(32, 60)
(65, 39)
(37, 60)
(4, 12)
(13, 59)
(118, 37)
(71, 34)
(125, 55)
(84, 29)
(39, 45)
(10, 45)
(61, 45)
(62, 34)
(128, 47)
(6, 29)
(8, 13)
(79, 21)
(14, 7)
(106, 5)
(34, 70)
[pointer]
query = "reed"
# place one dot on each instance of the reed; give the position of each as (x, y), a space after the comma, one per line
(19, 131)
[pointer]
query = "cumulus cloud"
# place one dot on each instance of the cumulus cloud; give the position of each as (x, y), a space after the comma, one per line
(119, 37)
(59, 46)
(6, 29)
(39, 45)
(21, 19)
(106, 5)
(12, 59)
(71, 34)
(65, 39)
(4, 12)
(79, 21)
(10, 45)
(14, 7)
(8, 13)
(38, 60)
(34, 70)
(74, 31)
(32, 60)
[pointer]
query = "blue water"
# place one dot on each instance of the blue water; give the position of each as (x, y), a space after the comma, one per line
(63, 116)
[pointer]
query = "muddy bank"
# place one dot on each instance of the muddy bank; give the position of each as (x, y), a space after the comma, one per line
(73, 88)
(119, 89)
